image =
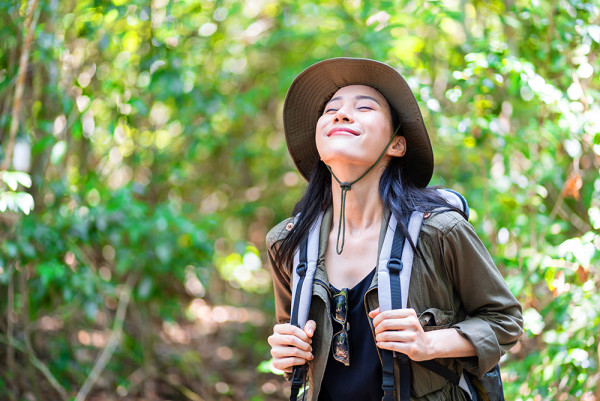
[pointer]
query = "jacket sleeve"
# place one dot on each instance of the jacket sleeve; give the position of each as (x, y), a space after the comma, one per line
(282, 286)
(495, 321)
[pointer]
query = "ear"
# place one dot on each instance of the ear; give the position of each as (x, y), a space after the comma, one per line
(398, 147)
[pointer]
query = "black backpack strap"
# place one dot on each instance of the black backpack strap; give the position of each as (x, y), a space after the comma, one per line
(299, 372)
(441, 370)
(461, 381)
(298, 380)
(300, 269)
(395, 266)
(305, 265)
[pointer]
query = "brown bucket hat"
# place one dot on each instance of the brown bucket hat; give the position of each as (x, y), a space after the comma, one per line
(315, 85)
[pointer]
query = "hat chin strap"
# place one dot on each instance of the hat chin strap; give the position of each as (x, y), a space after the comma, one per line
(347, 186)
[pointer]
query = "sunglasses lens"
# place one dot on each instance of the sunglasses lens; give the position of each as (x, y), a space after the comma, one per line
(341, 304)
(341, 347)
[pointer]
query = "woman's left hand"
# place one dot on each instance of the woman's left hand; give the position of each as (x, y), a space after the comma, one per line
(399, 330)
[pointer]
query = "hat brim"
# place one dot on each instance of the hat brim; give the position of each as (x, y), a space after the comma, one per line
(316, 84)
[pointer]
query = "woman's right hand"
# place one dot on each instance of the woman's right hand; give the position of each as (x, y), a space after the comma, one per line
(291, 346)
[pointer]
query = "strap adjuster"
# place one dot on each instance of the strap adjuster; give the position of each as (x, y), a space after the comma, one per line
(388, 394)
(301, 269)
(395, 265)
(298, 376)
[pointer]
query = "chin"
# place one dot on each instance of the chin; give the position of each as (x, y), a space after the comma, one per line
(333, 158)
(337, 156)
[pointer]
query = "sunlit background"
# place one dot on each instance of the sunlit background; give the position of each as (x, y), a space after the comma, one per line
(143, 162)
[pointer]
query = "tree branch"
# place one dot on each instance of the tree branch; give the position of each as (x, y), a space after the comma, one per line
(113, 341)
(189, 394)
(11, 342)
(30, 23)
(10, 324)
(23, 289)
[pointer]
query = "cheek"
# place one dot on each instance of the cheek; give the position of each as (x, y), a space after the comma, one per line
(320, 123)
(319, 130)
(380, 124)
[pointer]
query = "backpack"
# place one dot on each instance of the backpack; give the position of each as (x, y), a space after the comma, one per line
(394, 271)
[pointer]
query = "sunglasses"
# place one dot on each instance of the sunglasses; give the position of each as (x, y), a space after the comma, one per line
(341, 343)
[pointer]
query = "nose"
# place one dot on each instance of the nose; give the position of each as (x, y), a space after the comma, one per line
(342, 117)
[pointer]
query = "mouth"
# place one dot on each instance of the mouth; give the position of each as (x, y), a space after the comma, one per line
(342, 131)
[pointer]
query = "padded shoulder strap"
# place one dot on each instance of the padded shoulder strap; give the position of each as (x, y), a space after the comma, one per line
(305, 265)
(407, 252)
(383, 272)
(455, 199)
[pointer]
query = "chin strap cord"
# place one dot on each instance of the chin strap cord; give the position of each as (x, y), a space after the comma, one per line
(347, 186)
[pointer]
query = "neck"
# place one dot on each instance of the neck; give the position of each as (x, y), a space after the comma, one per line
(363, 206)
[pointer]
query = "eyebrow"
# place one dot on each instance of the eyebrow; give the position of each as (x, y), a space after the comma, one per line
(359, 97)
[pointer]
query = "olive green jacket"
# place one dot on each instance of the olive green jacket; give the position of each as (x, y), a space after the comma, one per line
(455, 285)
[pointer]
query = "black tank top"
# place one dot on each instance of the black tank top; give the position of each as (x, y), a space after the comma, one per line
(362, 379)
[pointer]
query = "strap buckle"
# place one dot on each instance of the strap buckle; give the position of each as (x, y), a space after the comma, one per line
(395, 265)
(298, 376)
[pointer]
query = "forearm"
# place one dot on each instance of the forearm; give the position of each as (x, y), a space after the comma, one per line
(449, 343)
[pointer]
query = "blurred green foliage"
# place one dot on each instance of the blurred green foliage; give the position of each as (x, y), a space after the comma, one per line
(158, 164)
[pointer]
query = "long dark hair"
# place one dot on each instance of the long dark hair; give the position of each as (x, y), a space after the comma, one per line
(397, 192)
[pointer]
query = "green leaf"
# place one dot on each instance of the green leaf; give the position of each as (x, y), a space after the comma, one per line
(267, 367)
(41, 145)
(51, 271)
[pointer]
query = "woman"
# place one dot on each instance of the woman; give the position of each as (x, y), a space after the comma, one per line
(357, 121)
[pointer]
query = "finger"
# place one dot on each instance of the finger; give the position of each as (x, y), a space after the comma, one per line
(388, 345)
(290, 352)
(374, 313)
(310, 327)
(287, 364)
(409, 324)
(289, 329)
(381, 316)
(403, 336)
(288, 341)
(397, 313)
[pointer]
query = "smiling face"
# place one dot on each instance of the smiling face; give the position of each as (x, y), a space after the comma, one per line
(355, 126)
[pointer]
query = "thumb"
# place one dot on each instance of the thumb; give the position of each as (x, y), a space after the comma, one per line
(310, 327)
